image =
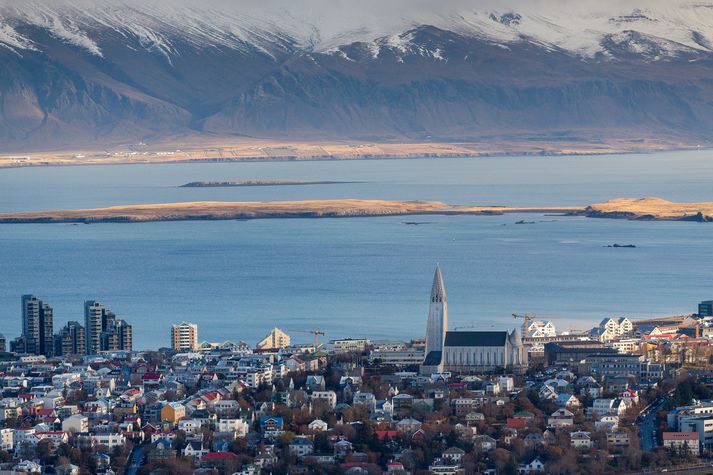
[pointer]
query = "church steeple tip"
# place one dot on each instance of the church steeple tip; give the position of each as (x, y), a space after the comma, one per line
(438, 290)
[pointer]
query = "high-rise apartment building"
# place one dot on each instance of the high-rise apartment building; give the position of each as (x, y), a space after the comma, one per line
(71, 340)
(37, 327)
(103, 331)
(184, 337)
(275, 339)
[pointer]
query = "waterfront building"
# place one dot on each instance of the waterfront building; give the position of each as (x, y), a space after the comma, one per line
(184, 337)
(71, 340)
(411, 354)
(611, 328)
(37, 327)
(349, 345)
(705, 308)
(275, 339)
(541, 329)
(466, 351)
(3, 344)
(625, 345)
(103, 331)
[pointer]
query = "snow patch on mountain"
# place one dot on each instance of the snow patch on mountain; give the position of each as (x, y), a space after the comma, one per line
(12, 40)
(581, 28)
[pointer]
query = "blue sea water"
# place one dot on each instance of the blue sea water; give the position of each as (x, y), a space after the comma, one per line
(361, 277)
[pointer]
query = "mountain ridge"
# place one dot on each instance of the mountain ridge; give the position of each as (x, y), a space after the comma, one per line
(82, 72)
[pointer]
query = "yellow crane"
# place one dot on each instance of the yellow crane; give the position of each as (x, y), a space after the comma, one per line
(316, 333)
(525, 322)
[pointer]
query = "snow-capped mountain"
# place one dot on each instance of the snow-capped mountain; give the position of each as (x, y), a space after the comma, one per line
(82, 71)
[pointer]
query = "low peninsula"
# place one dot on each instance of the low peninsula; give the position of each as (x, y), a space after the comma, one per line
(221, 210)
(623, 208)
(652, 209)
(221, 184)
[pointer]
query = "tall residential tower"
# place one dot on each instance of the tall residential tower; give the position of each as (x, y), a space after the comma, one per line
(184, 337)
(37, 326)
(104, 332)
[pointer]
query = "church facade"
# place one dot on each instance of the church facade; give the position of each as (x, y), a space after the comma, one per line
(467, 351)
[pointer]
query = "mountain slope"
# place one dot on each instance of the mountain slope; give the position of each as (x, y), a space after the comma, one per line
(82, 72)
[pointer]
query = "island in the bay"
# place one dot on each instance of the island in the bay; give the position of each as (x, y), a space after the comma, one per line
(239, 183)
(622, 208)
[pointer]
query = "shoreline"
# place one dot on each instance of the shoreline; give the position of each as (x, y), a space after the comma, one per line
(643, 209)
(258, 151)
(258, 183)
(249, 210)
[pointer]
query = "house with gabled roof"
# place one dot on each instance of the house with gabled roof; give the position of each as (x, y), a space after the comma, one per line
(560, 418)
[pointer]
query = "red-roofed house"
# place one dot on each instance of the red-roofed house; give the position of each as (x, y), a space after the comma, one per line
(386, 434)
(517, 422)
(152, 379)
(223, 462)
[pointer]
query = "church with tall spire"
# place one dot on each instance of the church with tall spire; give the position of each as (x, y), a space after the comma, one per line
(466, 351)
(437, 324)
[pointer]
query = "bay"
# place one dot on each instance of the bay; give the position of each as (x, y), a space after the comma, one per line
(359, 277)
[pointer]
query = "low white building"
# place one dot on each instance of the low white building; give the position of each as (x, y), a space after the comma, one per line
(7, 439)
(318, 425)
(238, 426)
(349, 345)
(580, 440)
(330, 397)
(76, 423)
(189, 426)
(107, 440)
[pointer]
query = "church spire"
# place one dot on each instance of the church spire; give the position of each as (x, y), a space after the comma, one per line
(438, 290)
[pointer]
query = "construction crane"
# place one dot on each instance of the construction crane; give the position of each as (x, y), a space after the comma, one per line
(316, 333)
(527, 318)
(525, 322)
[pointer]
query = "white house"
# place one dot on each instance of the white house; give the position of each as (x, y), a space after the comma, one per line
(560, 418)
(567, 400)
(536, 466)
(580, 440)
(195, 450)
(301, 446)
(318, 425)
(189, 426)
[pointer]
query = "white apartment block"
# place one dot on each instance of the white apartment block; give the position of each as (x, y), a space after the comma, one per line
(76, 423)
(237, 426)
(541, 329)
(612, 328)
(7, 439)
(329, 396)
(108, 440)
